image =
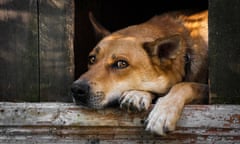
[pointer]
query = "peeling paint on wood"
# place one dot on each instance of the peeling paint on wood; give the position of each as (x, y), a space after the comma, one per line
(67, 123)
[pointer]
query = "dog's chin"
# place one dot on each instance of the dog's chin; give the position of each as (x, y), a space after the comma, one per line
(90, 105)
(96, 105)
(93, 101)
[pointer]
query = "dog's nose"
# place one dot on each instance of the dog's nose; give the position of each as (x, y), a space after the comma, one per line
(80, 88)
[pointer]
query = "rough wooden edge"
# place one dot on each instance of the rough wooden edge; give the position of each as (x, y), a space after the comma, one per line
(67, 114)
(56, 34)
(70, 28)
(67, 123)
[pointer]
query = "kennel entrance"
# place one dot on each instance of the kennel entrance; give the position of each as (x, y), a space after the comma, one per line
(38, 43)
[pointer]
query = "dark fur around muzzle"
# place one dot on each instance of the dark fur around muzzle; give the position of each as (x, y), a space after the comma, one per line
(83, 95)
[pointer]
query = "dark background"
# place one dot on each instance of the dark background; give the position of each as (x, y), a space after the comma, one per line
(116, 14)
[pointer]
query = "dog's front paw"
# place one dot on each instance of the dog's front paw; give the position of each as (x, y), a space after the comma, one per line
(163, 118)
(135, 101)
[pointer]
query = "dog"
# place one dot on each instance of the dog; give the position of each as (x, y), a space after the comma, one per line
(164, 58)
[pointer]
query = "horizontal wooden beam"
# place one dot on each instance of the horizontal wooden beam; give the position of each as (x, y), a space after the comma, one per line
(67, 123)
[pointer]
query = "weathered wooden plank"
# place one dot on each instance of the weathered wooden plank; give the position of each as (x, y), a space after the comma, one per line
(56, 20)
(62, 122)
(224, 51)
(217, 116)
(19, 79)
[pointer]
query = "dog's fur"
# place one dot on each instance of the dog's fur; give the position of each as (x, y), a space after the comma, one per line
(166, 55)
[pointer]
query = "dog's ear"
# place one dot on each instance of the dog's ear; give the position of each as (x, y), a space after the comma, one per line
(100, 31)
(164, 48)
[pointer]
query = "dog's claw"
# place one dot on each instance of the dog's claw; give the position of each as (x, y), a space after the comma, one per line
(121, 99)
(135, 101)
(166, 130)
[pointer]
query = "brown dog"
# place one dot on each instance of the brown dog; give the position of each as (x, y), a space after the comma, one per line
(166, 55)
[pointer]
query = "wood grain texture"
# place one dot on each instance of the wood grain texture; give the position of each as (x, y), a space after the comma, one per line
(224, 51)
(19, 79)
(36, 52)
(67, 123)
(56, 49)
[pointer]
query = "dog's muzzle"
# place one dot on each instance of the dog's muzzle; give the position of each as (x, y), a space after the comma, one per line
(83, 95)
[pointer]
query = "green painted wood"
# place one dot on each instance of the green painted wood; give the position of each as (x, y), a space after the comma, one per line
(224, 51)
(56, 49)
(19, 79)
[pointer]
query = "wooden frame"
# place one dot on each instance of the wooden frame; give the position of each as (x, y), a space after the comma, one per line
(67, 123)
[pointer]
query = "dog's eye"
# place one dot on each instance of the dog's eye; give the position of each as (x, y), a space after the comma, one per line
(91, 59)
(120, 64)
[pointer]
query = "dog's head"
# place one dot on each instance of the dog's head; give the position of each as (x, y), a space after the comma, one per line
(128, 60)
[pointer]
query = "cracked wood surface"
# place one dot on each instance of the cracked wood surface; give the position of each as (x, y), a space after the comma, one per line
(67, 123)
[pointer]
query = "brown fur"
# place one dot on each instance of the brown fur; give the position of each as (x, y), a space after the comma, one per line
(165, 55)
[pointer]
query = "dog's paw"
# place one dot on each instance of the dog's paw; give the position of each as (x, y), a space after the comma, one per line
(164, 116)
(135, 101)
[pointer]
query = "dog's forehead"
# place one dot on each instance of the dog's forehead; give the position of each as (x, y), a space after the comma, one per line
(119, 44)
(118, 41)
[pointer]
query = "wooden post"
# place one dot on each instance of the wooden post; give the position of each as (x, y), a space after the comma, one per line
(36, 54)
(224, 51)
(19, 79)
(56, 20)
